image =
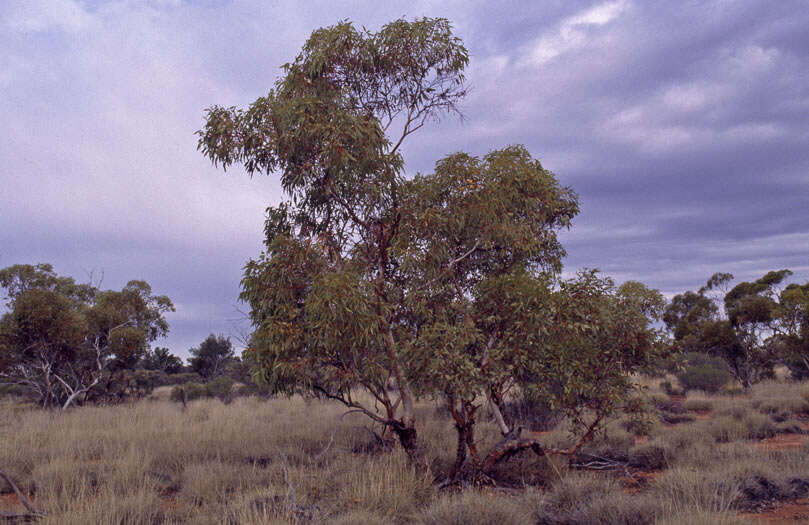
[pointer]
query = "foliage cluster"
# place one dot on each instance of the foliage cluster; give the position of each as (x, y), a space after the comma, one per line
(64, 342)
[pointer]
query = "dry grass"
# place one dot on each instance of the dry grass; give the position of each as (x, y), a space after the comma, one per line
(151, 462)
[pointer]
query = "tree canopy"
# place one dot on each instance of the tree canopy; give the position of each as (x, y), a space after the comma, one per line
(211, 358)
(438, 284)
(60, 339)
(751, 326)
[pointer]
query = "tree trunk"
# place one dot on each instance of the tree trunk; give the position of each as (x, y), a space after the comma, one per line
(460, 451)
(408, 438)
(511, 445)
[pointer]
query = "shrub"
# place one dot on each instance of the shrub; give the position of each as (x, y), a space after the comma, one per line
(698, 405)
(780, 399)
(650, 456)
(183, 378)
(751, 425)
(639, 418)
(797, 369)
(671, 389)
(594, 500)
(189, 391)
(220, 387)
(703, 372)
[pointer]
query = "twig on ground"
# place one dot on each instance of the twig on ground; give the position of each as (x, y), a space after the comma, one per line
(334, 432)
(286, 475)
(32, 514)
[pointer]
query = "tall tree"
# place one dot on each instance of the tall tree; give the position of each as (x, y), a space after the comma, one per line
(327, 289)
(438, 284)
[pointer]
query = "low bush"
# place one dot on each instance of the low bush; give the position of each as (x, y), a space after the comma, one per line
(183, 378)
(750, 425)
(220, 388)
(648, 456)
(697, 405)
(188, 392)
(673, 390)
(703, 372)
(781, 399)
(594, 500)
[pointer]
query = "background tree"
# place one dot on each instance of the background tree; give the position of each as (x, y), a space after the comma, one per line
(212, 357)
(62, 341)
(749, 329)
(793, 338)
(161, 359)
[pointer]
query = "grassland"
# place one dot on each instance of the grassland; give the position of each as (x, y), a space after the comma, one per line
(719, 459)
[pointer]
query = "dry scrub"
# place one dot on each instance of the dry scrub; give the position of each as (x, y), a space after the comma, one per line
(262, 461)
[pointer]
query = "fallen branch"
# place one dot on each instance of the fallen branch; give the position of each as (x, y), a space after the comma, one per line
(306, 512)
(601, 463)
(334, 432)
(286, 476)
(31, 515)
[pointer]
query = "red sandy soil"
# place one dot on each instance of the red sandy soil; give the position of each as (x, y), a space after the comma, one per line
(793, 512)
(9, 501)
(640, 480)
(782, 442)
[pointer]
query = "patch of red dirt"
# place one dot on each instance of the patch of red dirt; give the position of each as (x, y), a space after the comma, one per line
(793, 512)
(9, 500)
(782, 442)
(169, 504)
(702, 414)
(640, 440)
(640, 480)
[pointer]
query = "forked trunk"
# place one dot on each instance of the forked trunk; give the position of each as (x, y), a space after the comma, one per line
(463, 412)
(408, 438)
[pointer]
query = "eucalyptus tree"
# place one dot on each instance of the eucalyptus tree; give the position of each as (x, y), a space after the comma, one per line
(326, 295)
(794, 336)
(443, 284)
(751, 326)
(62, 341)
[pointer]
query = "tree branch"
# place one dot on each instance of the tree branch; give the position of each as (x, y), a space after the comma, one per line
(334, 432)
(450, 266)
(32, 511)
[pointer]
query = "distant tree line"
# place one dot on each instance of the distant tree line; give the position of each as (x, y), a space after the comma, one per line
(65, 343)
(752, 326)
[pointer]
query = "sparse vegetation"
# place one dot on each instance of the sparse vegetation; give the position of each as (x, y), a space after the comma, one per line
(259, 460)
(417, 353)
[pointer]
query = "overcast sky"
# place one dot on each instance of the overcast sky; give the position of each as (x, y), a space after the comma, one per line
(683, 127)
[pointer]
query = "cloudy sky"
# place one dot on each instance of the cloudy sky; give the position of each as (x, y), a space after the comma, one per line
(683, 126)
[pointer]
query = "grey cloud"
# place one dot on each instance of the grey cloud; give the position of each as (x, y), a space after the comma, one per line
(682, 126)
